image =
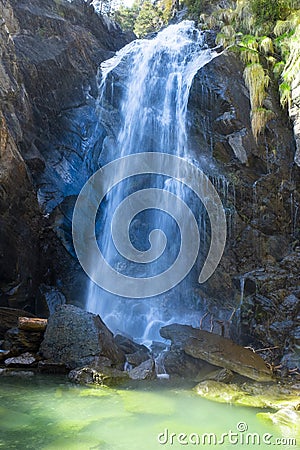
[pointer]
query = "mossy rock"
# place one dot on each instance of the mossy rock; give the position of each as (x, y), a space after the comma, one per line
(286, 419)
(90, 376)
(255, 395)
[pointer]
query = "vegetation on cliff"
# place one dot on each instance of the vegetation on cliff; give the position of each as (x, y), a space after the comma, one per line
(144, 17)
(265, 34)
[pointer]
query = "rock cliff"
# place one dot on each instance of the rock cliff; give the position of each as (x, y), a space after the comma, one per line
(50, 53)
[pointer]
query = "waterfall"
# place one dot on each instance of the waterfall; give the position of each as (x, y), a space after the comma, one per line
(142, 105)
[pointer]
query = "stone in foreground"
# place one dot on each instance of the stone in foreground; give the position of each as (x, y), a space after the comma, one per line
(254, 395)
(218, 350)
(25, 360)
(77, 338)
(105, 377)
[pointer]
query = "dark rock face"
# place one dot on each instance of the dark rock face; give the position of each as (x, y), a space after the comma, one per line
(128, 346)
(20, 341)
(76, 338)
(178, 364)
(261, 198)
(270, 315)
(137, 358)
(9, 319)
(50, 53)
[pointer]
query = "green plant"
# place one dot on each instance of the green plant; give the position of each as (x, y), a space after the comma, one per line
(285, 94)
(256, 81)
(148, 20)
(269, 10)
(266, 46)
(259, 119)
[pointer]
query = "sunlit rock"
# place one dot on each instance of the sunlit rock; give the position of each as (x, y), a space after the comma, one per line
(254, 395)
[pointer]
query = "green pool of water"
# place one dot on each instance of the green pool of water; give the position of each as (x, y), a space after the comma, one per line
(49, 413)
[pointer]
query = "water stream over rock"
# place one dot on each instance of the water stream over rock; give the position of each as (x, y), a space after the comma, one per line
(142, 106)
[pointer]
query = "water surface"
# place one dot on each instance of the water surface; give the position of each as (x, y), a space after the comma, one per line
(49, 413)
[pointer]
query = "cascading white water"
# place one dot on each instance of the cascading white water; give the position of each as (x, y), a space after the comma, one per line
(145, 89)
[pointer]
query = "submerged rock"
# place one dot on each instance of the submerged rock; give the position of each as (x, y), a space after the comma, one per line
(106, 377)
(255, 395)
(145, 371)
(16, 373)
(286, 419)
(52, 367)
(76, 338)
(218, 351)
(4, 354)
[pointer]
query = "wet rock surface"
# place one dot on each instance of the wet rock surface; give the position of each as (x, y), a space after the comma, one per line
(145, 371)
(252, 395)
(286, 419)
(260, 196)
(270, 314)
(223, 376)
(105, 377)
(137, 358)
(178, 364)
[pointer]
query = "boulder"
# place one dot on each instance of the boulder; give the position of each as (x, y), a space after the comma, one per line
(76, 337)
(254, 395)
(145, 371)
(218, 350)
(106, 377)
(24, 360)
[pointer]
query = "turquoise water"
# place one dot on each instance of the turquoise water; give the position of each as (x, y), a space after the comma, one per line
(49, 413)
